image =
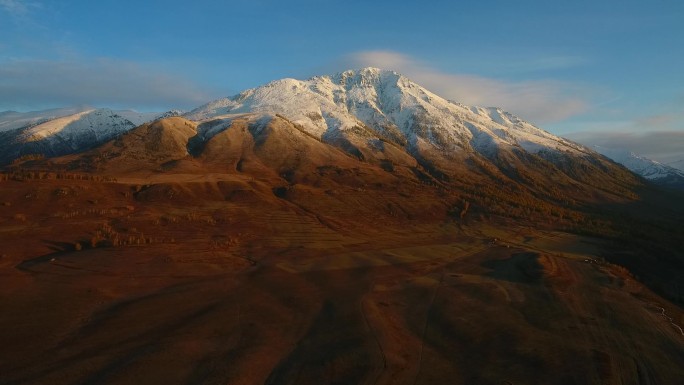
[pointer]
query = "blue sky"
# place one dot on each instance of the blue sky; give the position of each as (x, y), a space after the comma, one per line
(606, 71)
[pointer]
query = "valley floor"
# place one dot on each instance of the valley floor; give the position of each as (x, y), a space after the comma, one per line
(129, 289)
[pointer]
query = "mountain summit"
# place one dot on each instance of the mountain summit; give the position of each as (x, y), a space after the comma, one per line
(392, 107)
(371, 113)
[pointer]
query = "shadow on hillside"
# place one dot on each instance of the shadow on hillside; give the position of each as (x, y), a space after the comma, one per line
(518, 268)
(649, 240)
(58, 248)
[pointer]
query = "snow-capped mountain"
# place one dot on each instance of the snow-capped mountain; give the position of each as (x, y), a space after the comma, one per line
(392, 107)
(351, 107)
(384, 118)
(63, 131)
(376, 116)
(650, 169)
(11, 120)
(297, 129)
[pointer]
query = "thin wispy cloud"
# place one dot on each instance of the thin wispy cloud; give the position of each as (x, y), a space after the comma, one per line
(659, 137)
(522, 62)
(657, 122)
(663, 146)
(18, 8)
(540, 101)
(108, 82)
(552, 62)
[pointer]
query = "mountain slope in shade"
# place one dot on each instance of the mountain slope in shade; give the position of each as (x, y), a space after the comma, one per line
(58, 132)
(655, 172)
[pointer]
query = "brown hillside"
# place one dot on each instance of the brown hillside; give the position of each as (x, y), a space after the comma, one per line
(240, 251)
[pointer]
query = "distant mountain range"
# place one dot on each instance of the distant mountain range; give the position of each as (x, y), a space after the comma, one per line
(658, 173)
(377, 116)
(64, 131)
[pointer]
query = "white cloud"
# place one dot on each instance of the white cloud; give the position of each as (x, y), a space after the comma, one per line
(540, 101)
(29, 83)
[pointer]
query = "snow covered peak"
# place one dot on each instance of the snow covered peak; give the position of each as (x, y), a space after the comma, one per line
(101, 123)
(10, 120)
(63, 131)
(365, 77)
(390, 105)
(647, 168)
(169, 114)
